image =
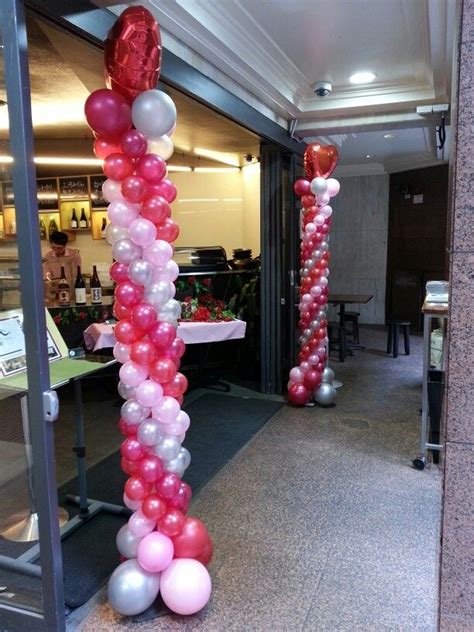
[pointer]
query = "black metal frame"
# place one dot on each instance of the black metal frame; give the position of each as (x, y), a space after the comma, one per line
(13, 27)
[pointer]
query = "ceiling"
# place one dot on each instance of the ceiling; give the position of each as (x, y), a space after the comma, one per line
(275, 50)
(63, 72)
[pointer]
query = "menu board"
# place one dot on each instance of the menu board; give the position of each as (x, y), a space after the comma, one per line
(47, 194)
(74, 187)
(97, 199)
(8, 195)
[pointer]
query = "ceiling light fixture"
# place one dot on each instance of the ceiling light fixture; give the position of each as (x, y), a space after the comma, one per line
(369, 155)
(216, 169)
(227, 158)
(177, 168)
(76, 162)
(389, 135)
(358, 78)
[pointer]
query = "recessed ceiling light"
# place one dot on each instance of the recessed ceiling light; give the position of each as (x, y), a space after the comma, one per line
(362, 77)
(369, 155)
(389, 135)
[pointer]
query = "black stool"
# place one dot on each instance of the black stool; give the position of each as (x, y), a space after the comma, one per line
(341, 339)
(353, 319)
(394, 327)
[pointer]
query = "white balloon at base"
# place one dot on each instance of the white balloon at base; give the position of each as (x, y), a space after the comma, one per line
(325, 394)
(131, 589)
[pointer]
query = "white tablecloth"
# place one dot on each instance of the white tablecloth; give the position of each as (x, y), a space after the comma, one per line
(100, 336)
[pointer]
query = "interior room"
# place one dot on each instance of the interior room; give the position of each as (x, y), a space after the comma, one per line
(258, 359)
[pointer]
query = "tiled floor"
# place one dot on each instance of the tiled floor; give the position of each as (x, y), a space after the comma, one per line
(319, 522)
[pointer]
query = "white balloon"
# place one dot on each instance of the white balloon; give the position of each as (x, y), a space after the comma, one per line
(318, 186)
(153, 113)
(161, 146)
(113, 233)
(112, 190)
(125, 251)
(140, 271)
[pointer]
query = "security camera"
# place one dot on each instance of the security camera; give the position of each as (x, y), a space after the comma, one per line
(322, 88)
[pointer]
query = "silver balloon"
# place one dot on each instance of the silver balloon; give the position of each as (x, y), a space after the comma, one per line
(176, 466)
(131, 589)
(127, 542)
(113, 233)
(186, 456)
(140, 271)
(125, 251)
(170, 312)
(314, 324)
(305, 272)
(149, 432)
(168, 448)
(324, 245)
(153, 113)
(325, 394)
(169, 273)
(133, 412)
(327, 376)
(125, 391)
(316, 254)
(158, 294)
(162, 146)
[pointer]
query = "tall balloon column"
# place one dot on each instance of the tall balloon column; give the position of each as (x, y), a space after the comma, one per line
(163, 550)
(312, 379)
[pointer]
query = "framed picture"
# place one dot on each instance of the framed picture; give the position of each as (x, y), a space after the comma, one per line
(12, 342)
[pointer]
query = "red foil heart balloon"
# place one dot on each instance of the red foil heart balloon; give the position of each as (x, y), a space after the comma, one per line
(132, 53)
(319, 160)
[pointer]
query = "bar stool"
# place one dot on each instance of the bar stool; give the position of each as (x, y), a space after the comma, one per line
(353, 319)
(341, 339)
(394, 326)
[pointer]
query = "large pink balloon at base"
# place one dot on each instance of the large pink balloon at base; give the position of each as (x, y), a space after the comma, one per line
(185, 586)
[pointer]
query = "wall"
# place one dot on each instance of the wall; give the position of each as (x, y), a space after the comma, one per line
(358, 243)
(251, 210)
(457, 568)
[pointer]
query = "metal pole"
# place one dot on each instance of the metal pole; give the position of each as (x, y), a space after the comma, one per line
(13, 26)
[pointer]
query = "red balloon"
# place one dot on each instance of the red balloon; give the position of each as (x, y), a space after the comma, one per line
(129, 294)
(108, 114)
(192, 539)
(162, 334)
(143, 316)
(320, 161)
(172, 522)
(302, 187)
(150, 469)
(133, 143)
(166, 189)
(163, 370)
(143, 352)
(176, 387)
(121, 312)
(126, 332)
(129, 467)
(308, 200)
(136, 488)
(131, 449)
(168, 231)
(182, 499)
(134, 189)
(298, 394)
(312, 379)
(152, 168)
(156, 209)
(119, 272)
(168, 485)
(206, 555)
(103, 148)
(128, 430)
(118, 166)
(153, 507)
(176, 349)
(132, 53)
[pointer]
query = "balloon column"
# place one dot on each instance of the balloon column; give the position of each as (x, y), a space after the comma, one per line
(311, 379)
(163, 549)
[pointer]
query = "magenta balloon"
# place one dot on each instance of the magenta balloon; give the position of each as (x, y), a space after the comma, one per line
(118, 166)
(144, 316)
(162, 334)
(133, 143)
(129, 294)
(152, 168)
(134, 189)
(155, 552)
(119, 272)
(166, 189)
(156, 208)
(108, 114)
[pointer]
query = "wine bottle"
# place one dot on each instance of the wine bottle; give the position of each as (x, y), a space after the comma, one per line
(42, 229)
(74, 222)
(64, 295)
(104, 226)
(79, 288)
(83, 219)
(53, 227)
(96, 288)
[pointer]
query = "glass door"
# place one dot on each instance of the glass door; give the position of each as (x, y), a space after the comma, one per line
(31, 586)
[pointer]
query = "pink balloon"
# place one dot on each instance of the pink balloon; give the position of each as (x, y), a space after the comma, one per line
(296, 375)
(176, 349)
(168, 485)
(149, 393)
(140, 525)
(185, 586)
(118, 166)
(162, 334)
(155, 552)
(158, 253)
(133, 143)
(166, 189)
(150, 468)
(121, 352)
(142, 232)
(108, 114)
(168, 231)
(129, 294)
(152, 168)
(134, 189)
(132, 450)
(131, 504)
(166, 410)
(144, 316)
(122, 213)
(103, 148)
(133, 374)
(119, 272)
(333, 187)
